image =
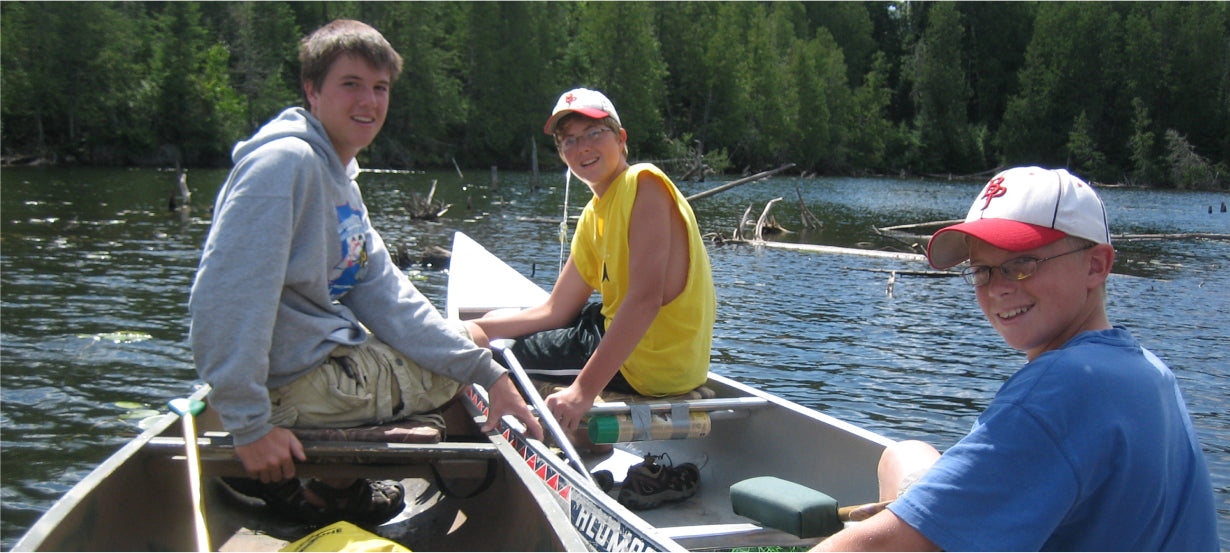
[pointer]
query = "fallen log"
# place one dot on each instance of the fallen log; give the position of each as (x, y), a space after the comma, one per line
(921, 225)
(732, 184)
(816, 248)
(932, 274)
(547, 220)
(899, 230)
(1178, 236)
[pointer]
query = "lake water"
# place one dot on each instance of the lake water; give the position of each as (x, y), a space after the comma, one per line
(96, 271)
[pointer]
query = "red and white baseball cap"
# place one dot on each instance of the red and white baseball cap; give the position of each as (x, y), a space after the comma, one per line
(590, 103)
(1021, 209)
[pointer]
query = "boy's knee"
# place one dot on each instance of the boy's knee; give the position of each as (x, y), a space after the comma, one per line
(901, 464)
(476, 334)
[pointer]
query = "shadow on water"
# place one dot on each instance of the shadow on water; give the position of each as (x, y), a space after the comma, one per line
(90, 253)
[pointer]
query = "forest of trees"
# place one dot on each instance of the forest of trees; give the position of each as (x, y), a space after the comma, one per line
(1132, 92)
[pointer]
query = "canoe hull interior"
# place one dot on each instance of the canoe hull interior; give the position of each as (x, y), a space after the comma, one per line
(139, 500)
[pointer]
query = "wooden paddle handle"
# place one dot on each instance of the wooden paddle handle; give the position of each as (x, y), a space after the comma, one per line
(856, 513)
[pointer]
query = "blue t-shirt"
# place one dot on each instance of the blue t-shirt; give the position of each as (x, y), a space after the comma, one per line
(1087, 447)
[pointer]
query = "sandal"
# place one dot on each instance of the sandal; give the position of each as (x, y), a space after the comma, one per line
(285, 498)
(363, 502)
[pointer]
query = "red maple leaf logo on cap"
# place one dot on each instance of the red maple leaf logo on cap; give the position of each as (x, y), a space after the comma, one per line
(569, 99)
(995, 189)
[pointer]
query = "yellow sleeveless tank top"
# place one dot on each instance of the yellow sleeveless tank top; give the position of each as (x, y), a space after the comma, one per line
(673, 356)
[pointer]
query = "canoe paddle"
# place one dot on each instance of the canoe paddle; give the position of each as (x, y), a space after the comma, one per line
(188, 409)
(548, 420)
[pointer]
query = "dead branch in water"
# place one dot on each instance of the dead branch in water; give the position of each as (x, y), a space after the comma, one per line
(810, 221)
(766, 222)
(1178, 236)
(817, 248)
(907, 273)
(743, 221)
(428, 209)
(733, 184)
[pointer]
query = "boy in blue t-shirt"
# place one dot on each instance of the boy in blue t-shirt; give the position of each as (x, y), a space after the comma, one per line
(1088, 446)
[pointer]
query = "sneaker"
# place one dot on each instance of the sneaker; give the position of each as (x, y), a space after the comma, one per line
(604, 479)
(650, 484)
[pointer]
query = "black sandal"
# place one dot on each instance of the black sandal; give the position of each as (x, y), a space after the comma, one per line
(284, 498)
(363, 502)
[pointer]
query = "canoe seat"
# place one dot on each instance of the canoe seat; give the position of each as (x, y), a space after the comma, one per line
(414, 431)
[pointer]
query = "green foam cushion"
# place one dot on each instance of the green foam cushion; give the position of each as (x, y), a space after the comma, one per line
(786, 506)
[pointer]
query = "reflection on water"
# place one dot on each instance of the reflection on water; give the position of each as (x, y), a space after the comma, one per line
(89, 252)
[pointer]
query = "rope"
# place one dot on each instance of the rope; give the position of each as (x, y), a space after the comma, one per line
(563, 223)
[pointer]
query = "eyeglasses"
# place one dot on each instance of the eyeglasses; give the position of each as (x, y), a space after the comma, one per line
(1020, 268)
(589, 137)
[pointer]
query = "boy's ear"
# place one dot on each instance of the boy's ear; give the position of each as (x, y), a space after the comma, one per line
(309, 92)
(1101, 258)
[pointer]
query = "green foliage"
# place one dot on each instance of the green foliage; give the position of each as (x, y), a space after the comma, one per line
(835, 87)
(1071, 66)
(870, 131)
(1189, 169)
(682, 153)
(262, 38)
(941, 94)
(1143, 145)
(824, 109)
(1084, 157)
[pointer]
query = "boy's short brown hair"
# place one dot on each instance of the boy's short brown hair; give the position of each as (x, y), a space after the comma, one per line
(319, 50)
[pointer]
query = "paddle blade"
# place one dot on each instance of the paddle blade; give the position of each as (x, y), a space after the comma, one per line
(184, 406)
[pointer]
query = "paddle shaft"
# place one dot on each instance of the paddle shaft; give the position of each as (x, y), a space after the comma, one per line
(857, 513)
(548, 420)
(186, 413)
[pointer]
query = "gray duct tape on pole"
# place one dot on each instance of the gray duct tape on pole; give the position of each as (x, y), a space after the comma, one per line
(681, 422)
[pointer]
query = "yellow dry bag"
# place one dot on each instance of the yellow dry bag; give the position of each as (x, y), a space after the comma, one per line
(343, 536)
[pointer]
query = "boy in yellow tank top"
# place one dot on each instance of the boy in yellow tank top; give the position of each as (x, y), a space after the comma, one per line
(638, 244)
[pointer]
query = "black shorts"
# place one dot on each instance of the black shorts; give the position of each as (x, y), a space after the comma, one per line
(558, 355)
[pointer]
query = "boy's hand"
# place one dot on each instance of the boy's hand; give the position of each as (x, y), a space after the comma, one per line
(505, 400)
(569, 406)
(272, 457)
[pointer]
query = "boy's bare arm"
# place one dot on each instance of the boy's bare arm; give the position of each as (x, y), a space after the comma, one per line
(883, 532)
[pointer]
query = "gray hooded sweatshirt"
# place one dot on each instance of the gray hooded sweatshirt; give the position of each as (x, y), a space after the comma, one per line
(292, 268)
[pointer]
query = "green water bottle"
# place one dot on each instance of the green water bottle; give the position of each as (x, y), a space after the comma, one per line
(608, 429)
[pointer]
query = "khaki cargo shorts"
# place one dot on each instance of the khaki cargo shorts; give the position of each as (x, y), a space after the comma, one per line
(367, 384)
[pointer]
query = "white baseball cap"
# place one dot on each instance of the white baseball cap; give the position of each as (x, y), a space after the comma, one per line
(589, 103)
(1021, 209)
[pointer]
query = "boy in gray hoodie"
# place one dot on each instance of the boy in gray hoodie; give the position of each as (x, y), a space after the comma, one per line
(300, 318)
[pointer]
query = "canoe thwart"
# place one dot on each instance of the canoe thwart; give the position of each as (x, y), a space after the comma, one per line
(407, 432)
